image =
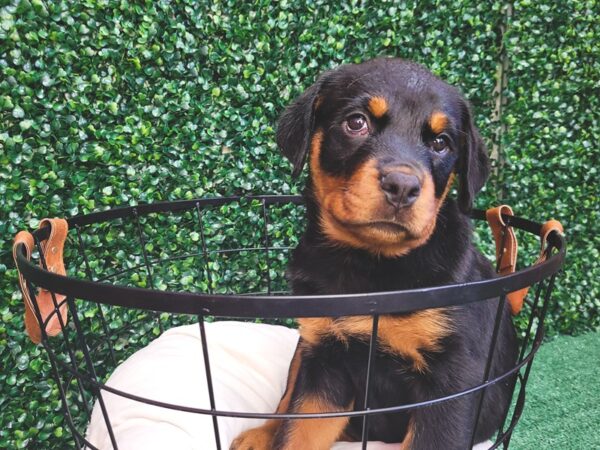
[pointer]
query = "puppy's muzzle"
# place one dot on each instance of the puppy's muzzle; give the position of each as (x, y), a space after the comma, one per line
(401, 190)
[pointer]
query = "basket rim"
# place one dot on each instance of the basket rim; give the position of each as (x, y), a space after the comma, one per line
(282, 306)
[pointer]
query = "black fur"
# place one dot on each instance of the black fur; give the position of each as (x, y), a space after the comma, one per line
(337, 370)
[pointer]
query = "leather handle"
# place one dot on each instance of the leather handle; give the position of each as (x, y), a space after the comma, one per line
(506, 255)
(547, 228)
(45, 307)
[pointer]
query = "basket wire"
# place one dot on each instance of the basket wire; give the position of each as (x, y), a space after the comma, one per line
(95, 341)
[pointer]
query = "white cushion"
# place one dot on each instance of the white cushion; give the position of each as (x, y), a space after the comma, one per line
(249, 364)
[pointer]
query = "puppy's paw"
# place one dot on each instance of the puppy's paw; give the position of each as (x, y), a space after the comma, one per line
(254, 439)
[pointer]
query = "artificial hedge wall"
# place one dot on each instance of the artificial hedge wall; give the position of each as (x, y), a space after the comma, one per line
(104, 103)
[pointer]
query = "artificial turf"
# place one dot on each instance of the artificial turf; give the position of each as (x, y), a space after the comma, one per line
(562, 409)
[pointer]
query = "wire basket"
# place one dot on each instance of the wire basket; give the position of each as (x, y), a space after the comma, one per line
(135, 271)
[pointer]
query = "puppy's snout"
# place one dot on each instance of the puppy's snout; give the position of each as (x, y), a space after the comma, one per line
(400, 189)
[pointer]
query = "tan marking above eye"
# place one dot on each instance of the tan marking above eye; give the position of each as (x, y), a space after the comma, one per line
(378, 106)
(438, 122)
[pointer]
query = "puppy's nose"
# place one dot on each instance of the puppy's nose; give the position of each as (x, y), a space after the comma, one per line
(401, 189)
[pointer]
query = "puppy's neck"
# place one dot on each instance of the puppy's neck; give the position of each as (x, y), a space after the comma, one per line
(343, 269)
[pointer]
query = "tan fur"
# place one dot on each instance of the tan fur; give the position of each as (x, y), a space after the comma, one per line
(378, 106)
(260, 438)
(315, 434)
(407, 336)
(448, 187)
(438, 122)
(284, 403)
(408, 438)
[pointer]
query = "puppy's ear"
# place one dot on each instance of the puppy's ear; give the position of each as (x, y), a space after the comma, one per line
(474, 165)
(296, 126)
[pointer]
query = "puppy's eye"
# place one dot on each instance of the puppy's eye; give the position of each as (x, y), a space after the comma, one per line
(439, 144)
(356, 124)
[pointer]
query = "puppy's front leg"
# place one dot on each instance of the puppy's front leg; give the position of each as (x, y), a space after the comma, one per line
(322, 385)
(261, 438)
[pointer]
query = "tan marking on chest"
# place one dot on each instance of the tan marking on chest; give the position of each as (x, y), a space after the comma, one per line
(408, 336)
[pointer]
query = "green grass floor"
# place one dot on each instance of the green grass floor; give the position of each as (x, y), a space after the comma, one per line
(562, 409)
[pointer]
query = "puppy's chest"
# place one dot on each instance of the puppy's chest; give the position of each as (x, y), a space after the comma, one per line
(409, 336)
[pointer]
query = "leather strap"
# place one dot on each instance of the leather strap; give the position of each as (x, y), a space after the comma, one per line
(506, 255)
(52, 249)
(547, 228)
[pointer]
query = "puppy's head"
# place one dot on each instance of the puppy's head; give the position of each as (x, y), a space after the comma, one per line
(384, 140)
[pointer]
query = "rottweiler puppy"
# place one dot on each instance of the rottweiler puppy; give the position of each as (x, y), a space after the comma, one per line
(385, 141)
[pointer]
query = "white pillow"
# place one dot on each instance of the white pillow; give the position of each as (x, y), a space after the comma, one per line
(249, 364)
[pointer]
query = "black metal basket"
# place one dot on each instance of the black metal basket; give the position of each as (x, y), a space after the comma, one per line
(116, 287)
